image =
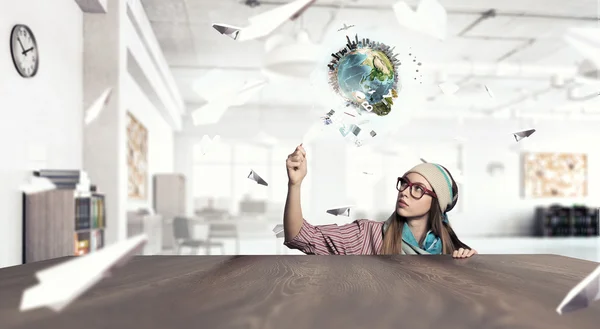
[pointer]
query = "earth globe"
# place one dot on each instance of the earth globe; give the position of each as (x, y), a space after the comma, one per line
(364, 73)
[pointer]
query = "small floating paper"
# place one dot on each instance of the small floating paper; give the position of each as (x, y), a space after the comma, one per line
(342, 211)
(523, 134)
(255, 177)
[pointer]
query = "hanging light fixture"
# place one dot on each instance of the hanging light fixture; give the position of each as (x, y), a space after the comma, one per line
(291, 57)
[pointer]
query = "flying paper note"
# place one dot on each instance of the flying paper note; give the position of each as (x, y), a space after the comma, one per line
(213, 111)
(523, 134)
(448, 88)
(62, 284)
(264, 24)
(583, 294)
(430, 18)
(423, 160)
(342, 211)
(38, 185)
(99, 104)
(489, 91)
(278, 228)
(255, 177)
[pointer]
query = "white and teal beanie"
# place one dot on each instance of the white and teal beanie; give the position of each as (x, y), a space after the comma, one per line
(442, 183)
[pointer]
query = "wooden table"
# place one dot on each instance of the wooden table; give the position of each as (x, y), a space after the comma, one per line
(486, 291)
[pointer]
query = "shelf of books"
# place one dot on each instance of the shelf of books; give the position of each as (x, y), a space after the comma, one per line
(90, 223)
(62, 221)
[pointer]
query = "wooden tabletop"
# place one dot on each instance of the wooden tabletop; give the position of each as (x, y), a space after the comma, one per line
(486, 291)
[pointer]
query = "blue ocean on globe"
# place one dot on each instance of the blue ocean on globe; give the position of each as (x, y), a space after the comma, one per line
(368, 71)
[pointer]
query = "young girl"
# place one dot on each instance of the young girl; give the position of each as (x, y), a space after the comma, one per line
(419, 224)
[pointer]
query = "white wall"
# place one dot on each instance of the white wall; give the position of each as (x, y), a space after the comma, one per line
(44, 112)
(160, 138)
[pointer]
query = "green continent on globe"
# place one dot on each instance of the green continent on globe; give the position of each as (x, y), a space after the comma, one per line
(381, 66)
(370, 72)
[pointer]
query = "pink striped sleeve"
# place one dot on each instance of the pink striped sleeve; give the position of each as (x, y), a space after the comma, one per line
(332, 239)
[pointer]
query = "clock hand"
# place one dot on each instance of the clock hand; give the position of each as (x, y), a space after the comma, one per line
(20, 43)
(28, 50)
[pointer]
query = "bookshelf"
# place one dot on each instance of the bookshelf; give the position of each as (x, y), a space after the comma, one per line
(559, 221)
(62, 222)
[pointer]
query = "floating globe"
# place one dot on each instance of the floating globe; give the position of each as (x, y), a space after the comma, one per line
(364, 74)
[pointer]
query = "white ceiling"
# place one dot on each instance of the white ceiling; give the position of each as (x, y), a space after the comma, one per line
(522, 33)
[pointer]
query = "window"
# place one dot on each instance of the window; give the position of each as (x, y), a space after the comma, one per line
(363, 168)
(250, 154)
(212, 180)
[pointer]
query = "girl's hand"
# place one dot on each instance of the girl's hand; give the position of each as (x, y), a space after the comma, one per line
(463, 253)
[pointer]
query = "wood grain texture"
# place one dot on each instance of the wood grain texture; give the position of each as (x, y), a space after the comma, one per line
(49, 225)
(486, 291)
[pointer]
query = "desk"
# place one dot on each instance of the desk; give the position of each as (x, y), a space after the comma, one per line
(486, 291)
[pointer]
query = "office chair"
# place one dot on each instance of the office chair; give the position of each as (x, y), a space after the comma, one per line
(181, 233)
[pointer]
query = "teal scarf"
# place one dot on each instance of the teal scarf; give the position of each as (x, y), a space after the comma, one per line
(432, 243)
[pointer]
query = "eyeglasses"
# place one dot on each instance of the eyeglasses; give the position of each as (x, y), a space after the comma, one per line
(417, 190)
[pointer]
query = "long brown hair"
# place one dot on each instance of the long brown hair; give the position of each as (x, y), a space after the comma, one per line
(392, 239)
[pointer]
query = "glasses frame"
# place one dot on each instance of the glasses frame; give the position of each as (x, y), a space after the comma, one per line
(410, 185)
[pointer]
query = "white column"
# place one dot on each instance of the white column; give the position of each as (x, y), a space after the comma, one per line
(104, 153)
(184, 164)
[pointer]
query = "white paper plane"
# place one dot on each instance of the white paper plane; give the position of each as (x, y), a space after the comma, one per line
(341, 211)
(448, 88)
(97, 106)
(37, 185)
(247, 92)
(582, 295)
(423, 160)
(523, 134)
(489, 91)
(278, 228)
(265, 23)
(255, 177)
(213, 111)
(62, 284)
(208, 145)
(345, 27)
(430, 18)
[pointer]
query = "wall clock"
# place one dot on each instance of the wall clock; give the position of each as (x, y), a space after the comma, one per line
(24, 51)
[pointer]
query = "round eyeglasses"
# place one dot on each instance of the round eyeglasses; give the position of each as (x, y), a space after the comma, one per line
(417, 190)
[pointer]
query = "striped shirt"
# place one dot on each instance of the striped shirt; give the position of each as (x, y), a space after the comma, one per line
(361, 237)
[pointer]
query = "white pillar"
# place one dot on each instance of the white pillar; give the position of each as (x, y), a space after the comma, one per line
(184, 164)
(104, 153)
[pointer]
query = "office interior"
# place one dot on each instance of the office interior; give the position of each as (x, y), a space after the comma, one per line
(514, 62)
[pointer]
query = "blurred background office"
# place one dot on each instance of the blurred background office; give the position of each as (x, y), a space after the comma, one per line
(155, 160)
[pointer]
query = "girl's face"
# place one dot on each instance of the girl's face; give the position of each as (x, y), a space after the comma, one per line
(414, 199)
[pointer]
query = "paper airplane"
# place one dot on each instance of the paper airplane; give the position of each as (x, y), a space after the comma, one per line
(37, 185)
(345, 27)
(264, 24)
(278, 228)
(423, 160)
(342, 211)
(62, 284)
(582, 295)
(448, 88)
(208, 145)
(255, 177)
(489, 91)
(430, 18)
(213, 111)
(97, 106)
(523, 134)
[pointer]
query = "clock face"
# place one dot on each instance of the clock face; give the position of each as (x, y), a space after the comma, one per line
(24, 51)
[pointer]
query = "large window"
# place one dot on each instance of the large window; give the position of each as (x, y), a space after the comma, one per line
(212, 171)
(363, 169)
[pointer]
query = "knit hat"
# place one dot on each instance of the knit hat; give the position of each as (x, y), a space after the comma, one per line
(443, 185)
